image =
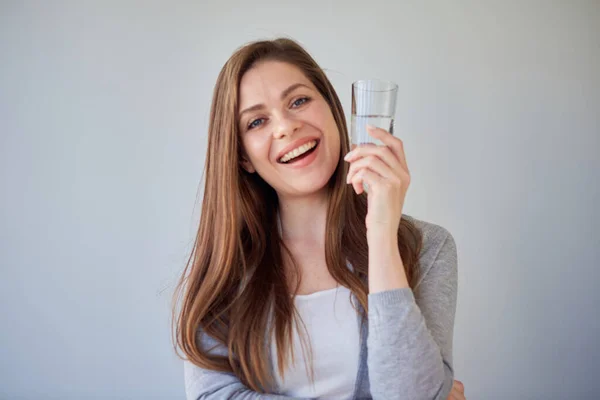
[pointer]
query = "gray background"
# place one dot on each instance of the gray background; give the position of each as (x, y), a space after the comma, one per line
(103, 115)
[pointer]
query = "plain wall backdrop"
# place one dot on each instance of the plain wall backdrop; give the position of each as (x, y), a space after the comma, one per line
(103, 116)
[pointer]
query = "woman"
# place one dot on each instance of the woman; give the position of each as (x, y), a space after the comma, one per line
(296, 273)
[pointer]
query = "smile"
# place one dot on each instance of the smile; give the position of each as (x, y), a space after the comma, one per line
(299, 152)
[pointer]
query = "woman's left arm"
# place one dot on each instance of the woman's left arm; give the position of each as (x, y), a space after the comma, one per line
(410, 334)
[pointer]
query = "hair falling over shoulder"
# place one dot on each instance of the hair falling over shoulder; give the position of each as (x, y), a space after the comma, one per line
(233, 287)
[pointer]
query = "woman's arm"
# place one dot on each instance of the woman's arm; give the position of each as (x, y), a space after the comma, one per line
(410, 334)
(213, 385)
(409, 345)
(201, 384)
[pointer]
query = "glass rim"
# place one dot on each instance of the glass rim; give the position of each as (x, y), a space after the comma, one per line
(391, 86)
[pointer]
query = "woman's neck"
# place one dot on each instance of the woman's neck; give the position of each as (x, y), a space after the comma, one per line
(304, 218)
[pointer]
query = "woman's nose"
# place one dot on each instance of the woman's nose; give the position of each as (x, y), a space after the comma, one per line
(285, 125)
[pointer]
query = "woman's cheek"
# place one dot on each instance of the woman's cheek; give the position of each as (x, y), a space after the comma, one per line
(258, 148)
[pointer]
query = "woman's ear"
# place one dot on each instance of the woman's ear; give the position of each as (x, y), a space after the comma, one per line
(247, 165)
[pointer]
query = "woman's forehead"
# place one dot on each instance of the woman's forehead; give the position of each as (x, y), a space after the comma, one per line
(269, 79)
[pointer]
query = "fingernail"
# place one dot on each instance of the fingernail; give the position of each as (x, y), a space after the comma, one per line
(347, 157)
(370, 127)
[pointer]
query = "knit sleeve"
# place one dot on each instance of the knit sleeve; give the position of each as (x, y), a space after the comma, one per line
(206, 384)
(410, 333)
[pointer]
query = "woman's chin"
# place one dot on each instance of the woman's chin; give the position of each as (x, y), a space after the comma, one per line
(303, 188)
(304, 185)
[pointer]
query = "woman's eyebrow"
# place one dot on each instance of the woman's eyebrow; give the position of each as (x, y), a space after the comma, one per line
(284, 94)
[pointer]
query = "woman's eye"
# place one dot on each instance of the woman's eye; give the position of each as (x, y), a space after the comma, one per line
(254, 123)
(297, 103)
(300, 101)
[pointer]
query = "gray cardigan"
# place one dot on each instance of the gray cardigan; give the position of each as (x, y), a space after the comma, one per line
(406, 346)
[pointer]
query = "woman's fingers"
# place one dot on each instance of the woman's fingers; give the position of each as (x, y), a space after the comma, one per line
(374, 163)
(394, 143)
(456, 395)
(359, 172)
(385, 153)
(459, 386)
(365, 175)
(457, 392)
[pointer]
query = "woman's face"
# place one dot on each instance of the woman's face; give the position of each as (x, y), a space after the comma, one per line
(288, 132)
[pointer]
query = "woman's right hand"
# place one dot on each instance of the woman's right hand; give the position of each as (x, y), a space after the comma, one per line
(457, 392)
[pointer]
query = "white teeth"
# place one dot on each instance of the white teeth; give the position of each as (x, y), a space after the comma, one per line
(298, 151)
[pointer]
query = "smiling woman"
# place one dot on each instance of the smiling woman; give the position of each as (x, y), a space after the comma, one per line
(294, 277)
(290, 124)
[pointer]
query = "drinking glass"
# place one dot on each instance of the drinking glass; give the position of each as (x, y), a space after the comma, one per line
(373, 103)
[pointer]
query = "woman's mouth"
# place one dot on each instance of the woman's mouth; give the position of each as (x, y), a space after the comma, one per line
(299, 153)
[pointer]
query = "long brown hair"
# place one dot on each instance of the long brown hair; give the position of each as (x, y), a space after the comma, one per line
(234, 278)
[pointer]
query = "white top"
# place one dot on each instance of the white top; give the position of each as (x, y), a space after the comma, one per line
(332, 325)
